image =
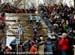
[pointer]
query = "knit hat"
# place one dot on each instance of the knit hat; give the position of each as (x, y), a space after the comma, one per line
(64, 35)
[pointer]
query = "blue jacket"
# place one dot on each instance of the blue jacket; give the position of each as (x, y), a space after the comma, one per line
(49, 47)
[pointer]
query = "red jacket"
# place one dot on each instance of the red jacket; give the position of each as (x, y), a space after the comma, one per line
(1, 17)
(8, 49)
(33, 50)
(63, 44)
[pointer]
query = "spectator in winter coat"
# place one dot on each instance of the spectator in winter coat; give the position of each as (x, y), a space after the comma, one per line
(20, 30)
(49, 47)
(7, 49)
(2, 25)
(63, 44)
(38, 19)
(1, 18)
(26, 46)
(31, 43)
(34, 30)
(41, 46)
(30, 18)
(33, 50)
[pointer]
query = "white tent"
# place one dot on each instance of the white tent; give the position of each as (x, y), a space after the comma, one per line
(68, 2)
(28, 3)
(9, 34)
(9, 40)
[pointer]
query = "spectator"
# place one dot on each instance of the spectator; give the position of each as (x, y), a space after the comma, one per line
(49, 47)
(34, 50)
(35, 29)
(63, 44)
(26, 45)
(1, 50)
(20, 31)
(2, 25)
(41, 46)
(7, 49)
(30, 19)
(38, 19)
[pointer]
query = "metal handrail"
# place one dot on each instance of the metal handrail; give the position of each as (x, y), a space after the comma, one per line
(17, 2)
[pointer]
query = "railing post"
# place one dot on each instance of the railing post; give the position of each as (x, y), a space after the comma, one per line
(74, 3)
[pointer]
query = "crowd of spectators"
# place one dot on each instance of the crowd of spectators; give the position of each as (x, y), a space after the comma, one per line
(8, 8)
(62, 20)
(62, 27)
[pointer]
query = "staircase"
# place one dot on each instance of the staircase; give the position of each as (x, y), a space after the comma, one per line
(28, 34)
(12, 23)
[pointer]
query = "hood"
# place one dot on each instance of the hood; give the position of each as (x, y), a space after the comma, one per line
(48, 42)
